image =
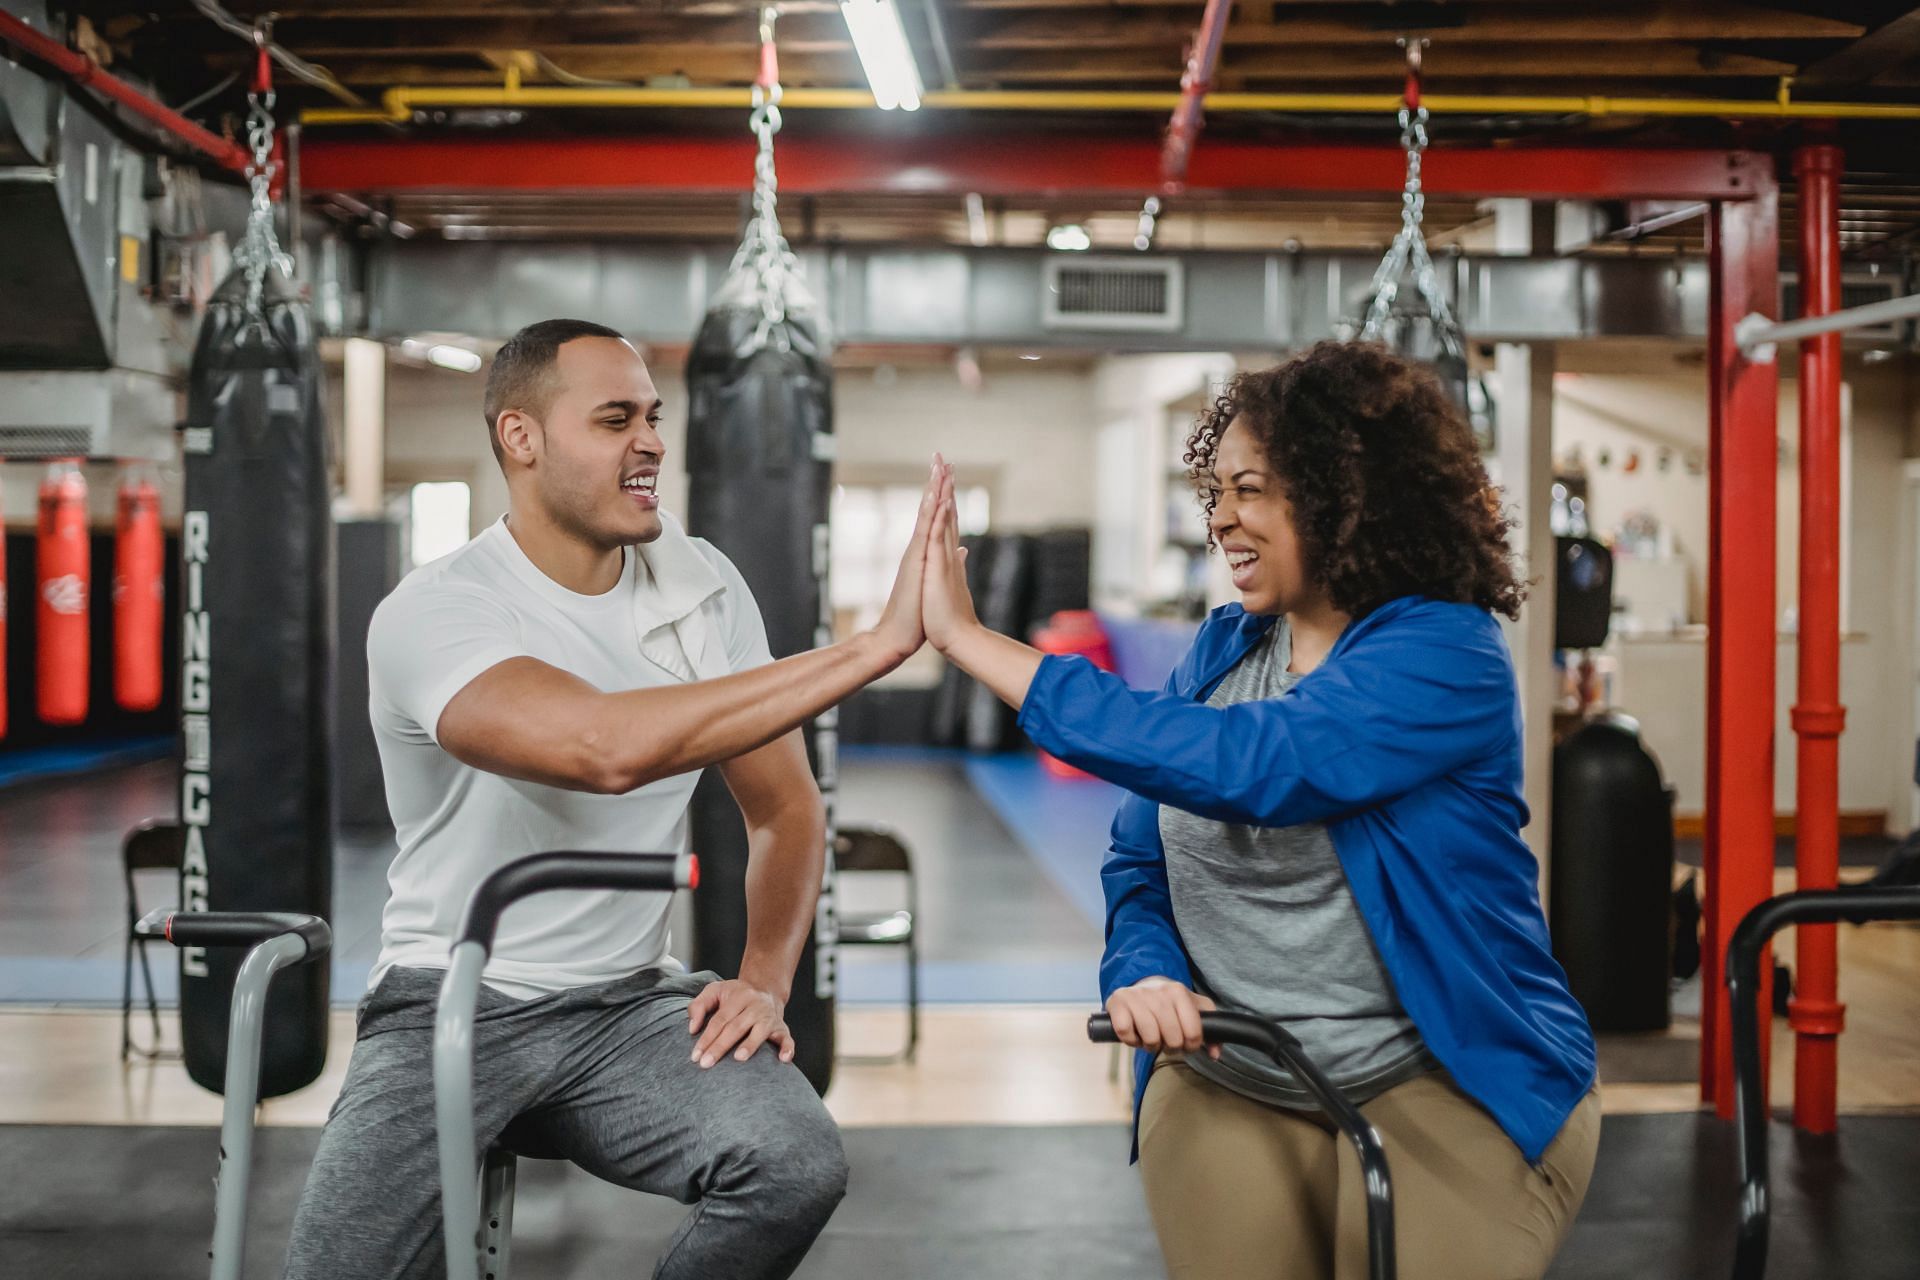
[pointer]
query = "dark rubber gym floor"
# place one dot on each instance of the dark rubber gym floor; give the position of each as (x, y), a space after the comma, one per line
(967, 1203)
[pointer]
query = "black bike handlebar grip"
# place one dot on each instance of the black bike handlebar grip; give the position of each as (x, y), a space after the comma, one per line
(1215, 1028)
(235, 928)
(562, 869)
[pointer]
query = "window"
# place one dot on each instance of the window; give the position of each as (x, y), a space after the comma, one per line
(871, 525)
(437, 519)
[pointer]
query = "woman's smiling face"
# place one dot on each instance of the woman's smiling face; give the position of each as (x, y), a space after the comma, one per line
(1253, 524)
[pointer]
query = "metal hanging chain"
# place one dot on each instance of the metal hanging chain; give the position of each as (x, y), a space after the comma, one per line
(259, 250)
(1409, 248)
(765, 264)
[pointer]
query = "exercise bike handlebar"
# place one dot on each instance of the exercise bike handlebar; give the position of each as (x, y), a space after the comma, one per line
(234, 928)
(541, 872)
(459, 997)
(1278, 1043)
(1854, 904)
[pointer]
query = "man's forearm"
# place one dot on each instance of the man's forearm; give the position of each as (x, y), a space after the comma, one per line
(656, 733)
(786, 859)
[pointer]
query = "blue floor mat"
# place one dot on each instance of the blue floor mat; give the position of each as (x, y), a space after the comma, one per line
(38, 763)
(1061, 822)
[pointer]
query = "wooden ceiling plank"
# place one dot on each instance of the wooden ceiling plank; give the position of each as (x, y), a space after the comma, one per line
(464, 9)
(321, 37)
(1867, 59)
(1627, 24)
(1327, 65)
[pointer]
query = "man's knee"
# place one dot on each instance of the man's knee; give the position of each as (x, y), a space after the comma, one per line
(796, 1167)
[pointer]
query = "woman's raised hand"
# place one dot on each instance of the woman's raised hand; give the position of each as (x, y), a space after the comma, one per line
(946, 606)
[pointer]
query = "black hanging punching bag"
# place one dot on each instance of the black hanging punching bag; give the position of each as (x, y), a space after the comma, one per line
(760, 473)
(256, 667)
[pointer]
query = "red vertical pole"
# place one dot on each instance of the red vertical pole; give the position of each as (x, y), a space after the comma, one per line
(1818, 718)
(1743, 247)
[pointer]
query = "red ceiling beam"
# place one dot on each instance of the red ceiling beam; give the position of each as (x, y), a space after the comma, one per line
(1010, 165)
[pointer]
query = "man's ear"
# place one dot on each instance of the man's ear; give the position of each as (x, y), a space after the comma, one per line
(519, 435)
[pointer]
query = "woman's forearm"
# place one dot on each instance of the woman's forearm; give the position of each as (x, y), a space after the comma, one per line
(999, 662)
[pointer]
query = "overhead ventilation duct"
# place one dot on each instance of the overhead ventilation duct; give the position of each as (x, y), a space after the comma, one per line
(89, 362)
(59, 196)
(1113, 295)
(85, 413)
(1856, 290)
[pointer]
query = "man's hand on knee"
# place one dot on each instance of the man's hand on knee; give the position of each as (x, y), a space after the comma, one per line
(737, 1013)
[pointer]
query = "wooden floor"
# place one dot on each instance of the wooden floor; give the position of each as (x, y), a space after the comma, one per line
(998, 1065)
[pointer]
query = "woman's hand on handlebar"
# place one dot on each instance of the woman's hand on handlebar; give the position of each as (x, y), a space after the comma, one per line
(1159, 1013)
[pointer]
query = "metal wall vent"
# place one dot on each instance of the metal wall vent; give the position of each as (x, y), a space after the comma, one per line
(1123, 294)
(45, 442)
(1855, 291)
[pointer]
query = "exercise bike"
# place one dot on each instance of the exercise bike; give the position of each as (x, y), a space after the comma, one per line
(276, 940)
(477, 1205)
(1280, 1044)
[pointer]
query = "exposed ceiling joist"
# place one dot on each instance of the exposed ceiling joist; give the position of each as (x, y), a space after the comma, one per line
(1890, 49)
(1625, 24)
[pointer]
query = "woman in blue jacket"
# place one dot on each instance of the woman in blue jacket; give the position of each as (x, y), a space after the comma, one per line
(1323, 827)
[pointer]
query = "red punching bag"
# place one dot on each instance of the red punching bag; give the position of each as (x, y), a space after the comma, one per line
(65, 574)
(138, 558)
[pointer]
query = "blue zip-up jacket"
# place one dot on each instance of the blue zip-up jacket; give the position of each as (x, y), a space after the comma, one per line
(1406, 743)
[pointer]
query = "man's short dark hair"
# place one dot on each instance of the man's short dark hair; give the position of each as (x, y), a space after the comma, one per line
(522, 372)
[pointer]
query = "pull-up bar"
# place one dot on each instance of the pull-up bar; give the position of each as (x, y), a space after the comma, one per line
(1758, 336)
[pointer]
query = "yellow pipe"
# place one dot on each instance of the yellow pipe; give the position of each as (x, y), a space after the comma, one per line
(398, 104)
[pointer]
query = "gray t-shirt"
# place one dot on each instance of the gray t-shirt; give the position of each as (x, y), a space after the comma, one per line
(1272, 928)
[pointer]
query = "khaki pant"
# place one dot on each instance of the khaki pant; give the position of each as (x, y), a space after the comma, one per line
(1242, 1191)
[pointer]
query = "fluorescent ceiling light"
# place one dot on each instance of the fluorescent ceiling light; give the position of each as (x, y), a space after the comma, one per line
(459, 359)
(1071, 237)
(885, 56)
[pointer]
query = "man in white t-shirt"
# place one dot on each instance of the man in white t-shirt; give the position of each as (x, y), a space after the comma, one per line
(559, 683)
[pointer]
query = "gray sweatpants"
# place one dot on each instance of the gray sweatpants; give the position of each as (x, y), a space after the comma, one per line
(601, 1074)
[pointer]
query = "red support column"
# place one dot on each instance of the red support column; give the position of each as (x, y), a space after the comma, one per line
(1743, 248)
(1818, 718)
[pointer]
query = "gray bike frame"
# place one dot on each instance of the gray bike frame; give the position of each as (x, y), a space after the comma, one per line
(241, 1087)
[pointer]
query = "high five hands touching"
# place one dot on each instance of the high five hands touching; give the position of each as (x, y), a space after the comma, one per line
(1157, 1013)
(946, 606)
(930, 602)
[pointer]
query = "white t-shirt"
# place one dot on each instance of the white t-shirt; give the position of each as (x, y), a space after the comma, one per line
(681, 611)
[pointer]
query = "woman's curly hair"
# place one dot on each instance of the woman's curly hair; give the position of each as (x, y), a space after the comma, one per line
(1389, 495)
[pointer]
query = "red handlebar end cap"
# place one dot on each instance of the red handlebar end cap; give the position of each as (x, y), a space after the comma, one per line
(693, 872)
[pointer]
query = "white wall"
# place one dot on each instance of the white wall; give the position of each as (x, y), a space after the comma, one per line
(1027, 433)
(1621, 414)
(1662, 681)
(1134, 398)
